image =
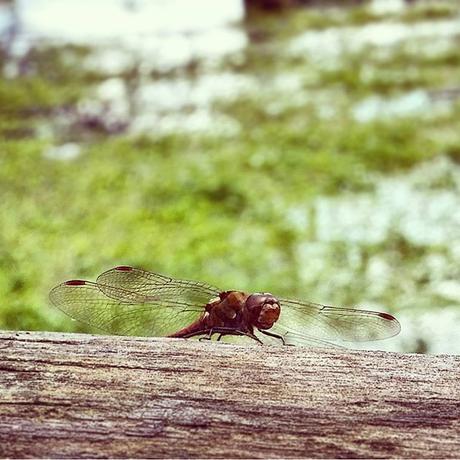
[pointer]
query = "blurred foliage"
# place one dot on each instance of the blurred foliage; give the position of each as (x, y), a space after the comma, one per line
(205, 206)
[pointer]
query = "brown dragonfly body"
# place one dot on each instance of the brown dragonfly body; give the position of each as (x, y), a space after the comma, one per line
(235, 312)
(130, 301)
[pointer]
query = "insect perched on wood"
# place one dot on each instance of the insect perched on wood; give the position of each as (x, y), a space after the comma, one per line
(130, 301)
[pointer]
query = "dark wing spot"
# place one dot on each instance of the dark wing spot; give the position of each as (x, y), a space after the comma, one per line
(387, 316)
(75, 283)
(124, 268)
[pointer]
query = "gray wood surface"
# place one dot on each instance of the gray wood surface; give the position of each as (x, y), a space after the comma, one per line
(68, 395)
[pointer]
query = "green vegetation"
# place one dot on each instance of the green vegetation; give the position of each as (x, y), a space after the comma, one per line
(288, 24)
(208, 206)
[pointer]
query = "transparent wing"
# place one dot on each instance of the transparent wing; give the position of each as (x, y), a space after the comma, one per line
(129, 306)
(302, 321)
(292, 337)
(150, 286)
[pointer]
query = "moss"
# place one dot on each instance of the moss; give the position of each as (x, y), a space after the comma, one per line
(290, 22)
(431, 10)
(34, 96)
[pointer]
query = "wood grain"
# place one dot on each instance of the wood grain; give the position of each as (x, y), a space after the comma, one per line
(68, 395)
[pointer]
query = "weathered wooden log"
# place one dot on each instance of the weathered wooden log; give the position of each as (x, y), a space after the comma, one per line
(68, 395)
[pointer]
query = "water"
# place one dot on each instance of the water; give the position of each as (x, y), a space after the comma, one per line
(148, 35)
(336, 42)
(152, 30)
(151, 36)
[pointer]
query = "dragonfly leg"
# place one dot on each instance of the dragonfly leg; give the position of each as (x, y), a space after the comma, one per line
(221, 331)
(277, 336)
(208, 336)
(254, 337)
(229, 331)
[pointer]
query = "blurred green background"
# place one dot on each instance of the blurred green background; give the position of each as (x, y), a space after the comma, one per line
(311, 152)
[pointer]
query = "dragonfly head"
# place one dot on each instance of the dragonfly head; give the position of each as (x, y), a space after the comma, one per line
(264, 310)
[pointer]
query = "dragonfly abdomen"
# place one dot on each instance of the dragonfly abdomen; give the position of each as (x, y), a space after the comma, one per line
(198, 326)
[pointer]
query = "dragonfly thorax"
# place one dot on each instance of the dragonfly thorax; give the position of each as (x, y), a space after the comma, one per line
(226, 310)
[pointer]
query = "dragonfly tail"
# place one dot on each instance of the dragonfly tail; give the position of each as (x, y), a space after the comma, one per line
(191, 329)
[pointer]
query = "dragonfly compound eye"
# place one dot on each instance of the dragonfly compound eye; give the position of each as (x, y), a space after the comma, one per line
(264, 310)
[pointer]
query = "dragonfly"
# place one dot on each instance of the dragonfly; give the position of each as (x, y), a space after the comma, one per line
(131, 301)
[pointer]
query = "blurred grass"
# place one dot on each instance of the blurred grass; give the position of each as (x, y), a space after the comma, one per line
(339, 14)
(202, 206)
